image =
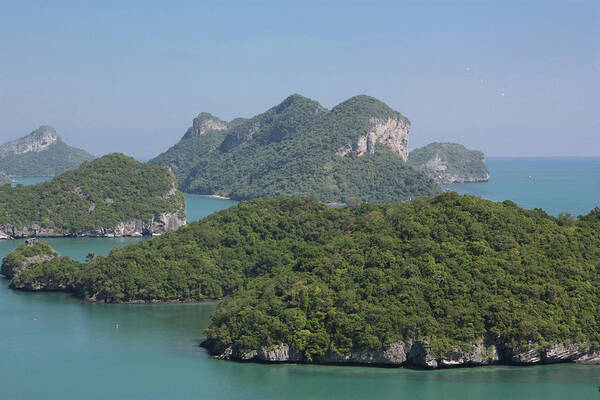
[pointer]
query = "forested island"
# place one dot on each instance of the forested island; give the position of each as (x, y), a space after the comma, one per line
(437, 282)
(358, 149)
(450, 163)
(41, 153)
(114, 195)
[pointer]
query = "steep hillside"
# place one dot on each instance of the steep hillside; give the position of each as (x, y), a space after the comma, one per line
(41, 153)
(357, 149)
(111, 196)
(204, 136)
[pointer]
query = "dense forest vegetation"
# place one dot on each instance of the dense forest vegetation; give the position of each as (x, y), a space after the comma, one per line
(54, 160)
(450, 163)
(37, 266)
(100, 193)
(181, 158)
(290, 150)
(451, 268)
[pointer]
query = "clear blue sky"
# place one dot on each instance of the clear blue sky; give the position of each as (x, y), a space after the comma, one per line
(130, 76)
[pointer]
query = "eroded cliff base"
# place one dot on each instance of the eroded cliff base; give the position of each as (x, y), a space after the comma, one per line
(418, 354)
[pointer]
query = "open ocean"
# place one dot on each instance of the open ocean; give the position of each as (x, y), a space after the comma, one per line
(555, 184)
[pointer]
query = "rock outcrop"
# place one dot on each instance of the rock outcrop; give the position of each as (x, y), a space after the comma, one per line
(159, 224)
(357, 149)
(418, 354)
(36, 141)
(41, 153)
(392, 133)
(203, 124)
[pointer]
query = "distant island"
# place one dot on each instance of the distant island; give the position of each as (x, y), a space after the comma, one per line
(4, 179)
(111, 196)
(433, 283)
(41, 153)
(450, 163)
(358, 149)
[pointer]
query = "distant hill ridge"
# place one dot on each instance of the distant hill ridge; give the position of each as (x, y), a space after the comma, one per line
(298, 147)
(450, 163)
(41, 153)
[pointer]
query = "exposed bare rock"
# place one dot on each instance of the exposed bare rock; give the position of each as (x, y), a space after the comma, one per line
(280, 353)
(41, 153)
(591, 358)
(484, 351)
(392, 132)
(393, 355)
(156, 226)
(533, 353)
(38, 140)
(204, 123)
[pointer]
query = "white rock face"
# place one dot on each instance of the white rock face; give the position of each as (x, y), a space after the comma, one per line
(484, 351)
(204, 123)
(279, 353)
(557, 352)
(392, 355)
(392, 133)
(36, 141)
(159, 224)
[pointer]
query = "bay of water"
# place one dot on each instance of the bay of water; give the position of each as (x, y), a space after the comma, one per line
(53, 346)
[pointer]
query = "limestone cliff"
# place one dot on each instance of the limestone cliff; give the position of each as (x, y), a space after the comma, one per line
(41, 153)
(36, 141)
(204, 123)
(357, 149)
(488, 350)
(391, 132)
(155, 226)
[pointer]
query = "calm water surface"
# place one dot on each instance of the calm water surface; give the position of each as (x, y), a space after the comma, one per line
(554, 184)
(53, 346)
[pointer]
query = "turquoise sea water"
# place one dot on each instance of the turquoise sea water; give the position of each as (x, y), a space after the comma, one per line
(53, 346)
(30, 180)
(553, 184)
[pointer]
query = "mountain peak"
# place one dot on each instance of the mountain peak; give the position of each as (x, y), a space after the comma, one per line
(203, 123)
(36, 141)
(367, 105)
(273, 125)
(296, 101)
(40, 153)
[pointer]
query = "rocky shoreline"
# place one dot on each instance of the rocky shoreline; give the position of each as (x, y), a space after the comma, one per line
(489, 350)
(156, 226)
(153, 301)
(452, 180)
